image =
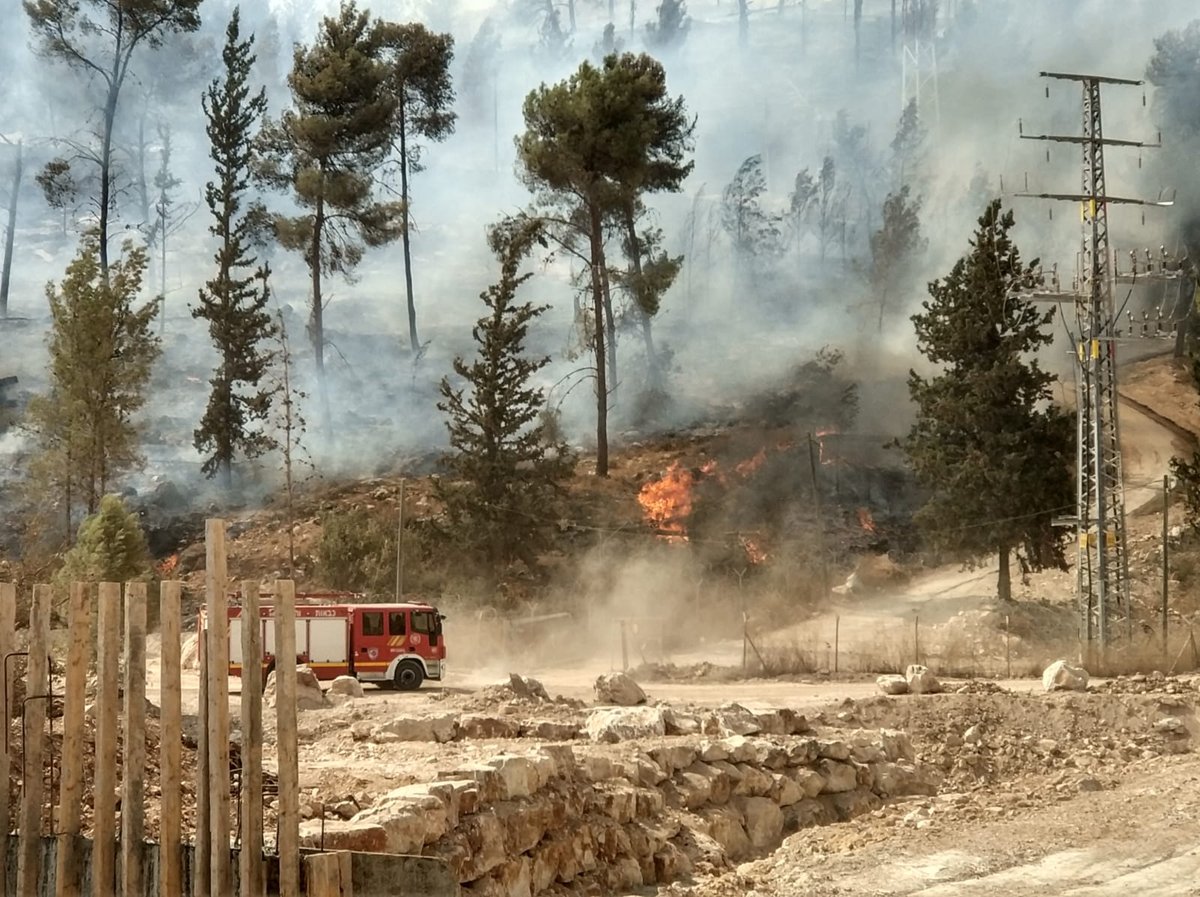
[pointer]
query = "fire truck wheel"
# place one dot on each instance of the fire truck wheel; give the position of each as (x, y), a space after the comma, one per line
(409, 676)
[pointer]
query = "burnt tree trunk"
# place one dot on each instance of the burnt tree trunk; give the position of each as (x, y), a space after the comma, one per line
(610, 328)
(10, 232)
(1004, 581)
(635, 262)
(413, 340)
(596, 239)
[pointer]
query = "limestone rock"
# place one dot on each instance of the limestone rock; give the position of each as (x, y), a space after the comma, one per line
(763, 821)
(618, 689)
(734, 719)
(347, 686)
(527, 688)
(403, 728)
(838, 776)
(892, 684)
(519, 776)
(920, 680)
(726, 828)
(1061, 676)
(474, 725)
(339, 835)
(549, 730)
(308, 691)
(625, 723)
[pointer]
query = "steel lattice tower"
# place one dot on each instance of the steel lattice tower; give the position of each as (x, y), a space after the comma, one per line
(918, 58)
(1103, 565)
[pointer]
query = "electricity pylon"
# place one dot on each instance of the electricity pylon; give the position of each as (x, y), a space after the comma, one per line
(1102, 568)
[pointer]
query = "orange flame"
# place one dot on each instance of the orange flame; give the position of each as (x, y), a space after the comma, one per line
(747, 467)
(866, 521)
(667, 501)
(167, 566)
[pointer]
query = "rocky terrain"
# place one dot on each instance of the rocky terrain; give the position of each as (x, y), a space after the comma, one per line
(524, 793)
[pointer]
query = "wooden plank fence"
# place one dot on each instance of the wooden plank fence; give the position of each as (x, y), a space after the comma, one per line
(51, 855)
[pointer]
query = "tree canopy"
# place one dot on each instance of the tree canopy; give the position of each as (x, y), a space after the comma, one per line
(102, 348)
(995, 455)
(326, 149)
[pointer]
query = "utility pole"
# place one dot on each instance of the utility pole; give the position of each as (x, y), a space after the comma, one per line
(1102, 567)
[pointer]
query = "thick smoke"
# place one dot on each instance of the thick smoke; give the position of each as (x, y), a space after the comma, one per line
(732, 329)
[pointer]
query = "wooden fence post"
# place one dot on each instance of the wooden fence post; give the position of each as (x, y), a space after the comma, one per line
(252, 880)
(170, 869)
(203, 843)
(8, 628)
(285, 742)
(33, 767)
(70, 789)
(108, 641)
(216, 583)
(133, 760)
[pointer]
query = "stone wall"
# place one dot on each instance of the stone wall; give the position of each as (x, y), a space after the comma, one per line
(622, 813)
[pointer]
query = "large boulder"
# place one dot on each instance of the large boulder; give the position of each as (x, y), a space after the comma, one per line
(921, 681)
(346, 686)
(1061, 676)
(619, 689)
(614, 724)
(308, 691)
(892, 684)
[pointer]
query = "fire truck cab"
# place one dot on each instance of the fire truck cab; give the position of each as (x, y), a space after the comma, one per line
(391, 645)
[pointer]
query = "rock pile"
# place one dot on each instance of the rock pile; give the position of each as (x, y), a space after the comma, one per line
(629, 816)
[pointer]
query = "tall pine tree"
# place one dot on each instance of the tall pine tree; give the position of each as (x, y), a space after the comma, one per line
(326, 150)
(234, 301)
(504, 472)
(993, 452)
(420, 75)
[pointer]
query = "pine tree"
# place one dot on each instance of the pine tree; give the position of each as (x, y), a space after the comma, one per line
(111, 547)
(325, 151)
(504, 473)
(993, 452)
(593, 145)
(894, 248)
(753, 231)
(671, 28)
(170, 216)
(287, 421)
(420, 78)
(102, 349)
(234, 302)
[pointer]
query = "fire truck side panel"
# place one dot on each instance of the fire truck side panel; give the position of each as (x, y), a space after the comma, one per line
(269, 636)
(326, 641)
(235, 640)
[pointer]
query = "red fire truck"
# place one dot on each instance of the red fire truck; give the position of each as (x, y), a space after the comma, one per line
(392, 645)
